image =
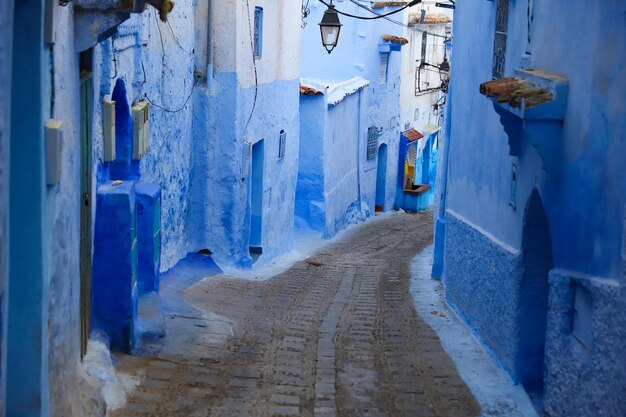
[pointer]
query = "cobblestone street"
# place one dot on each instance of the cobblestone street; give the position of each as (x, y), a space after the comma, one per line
(335, 335)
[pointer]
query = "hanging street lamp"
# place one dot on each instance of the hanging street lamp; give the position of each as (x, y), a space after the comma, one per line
(330, 27)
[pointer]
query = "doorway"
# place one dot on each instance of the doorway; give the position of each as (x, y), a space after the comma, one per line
(381, 177)
(256, 200)
(86, 114)
(533, 301)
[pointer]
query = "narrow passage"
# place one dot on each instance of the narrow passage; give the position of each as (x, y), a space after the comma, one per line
(335, 335)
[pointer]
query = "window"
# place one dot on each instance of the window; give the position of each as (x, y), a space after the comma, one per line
(258, 31)
(422, 72)
(282, 142)
(424, 45)
(500, 37)
(384, 65)
(372, 142)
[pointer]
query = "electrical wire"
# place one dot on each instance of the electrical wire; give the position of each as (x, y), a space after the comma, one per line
(177, 41)
(193, 86)
(436, 35)
(413, 3)
(256, 77)
(160, 35)
(165, 109)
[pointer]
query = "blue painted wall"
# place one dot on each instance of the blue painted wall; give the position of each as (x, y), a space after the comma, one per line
(310, 204)
(189, 147)
(6, 32)
(163, 73)
(30, 226)
(584, 205)
(349, 177)
(245, 101)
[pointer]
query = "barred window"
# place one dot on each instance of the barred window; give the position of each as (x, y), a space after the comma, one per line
(500, 38)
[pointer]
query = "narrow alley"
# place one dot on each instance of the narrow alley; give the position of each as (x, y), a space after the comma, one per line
(270, 208)
(335, 335)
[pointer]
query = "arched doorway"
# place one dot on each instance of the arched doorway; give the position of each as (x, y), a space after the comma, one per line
(533, 298)
(381, 176)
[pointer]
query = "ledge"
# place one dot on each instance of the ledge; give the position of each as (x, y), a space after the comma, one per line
(532, 107)
(391, 43)
(421, 189)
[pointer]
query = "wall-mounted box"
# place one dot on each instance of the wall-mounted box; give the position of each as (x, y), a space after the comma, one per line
(108, 128)
(246, 154)
(141, 117)
(54, 137)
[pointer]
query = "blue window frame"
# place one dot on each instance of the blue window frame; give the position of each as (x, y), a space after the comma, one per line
(372, 142)
(258, 32)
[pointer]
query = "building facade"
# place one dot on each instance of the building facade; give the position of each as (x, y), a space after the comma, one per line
(247, 131)
(162, 100)
(530, 227)
(349, 133)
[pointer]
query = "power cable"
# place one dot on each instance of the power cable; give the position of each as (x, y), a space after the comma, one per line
(412, 3)
(256, 77)
(395, 21)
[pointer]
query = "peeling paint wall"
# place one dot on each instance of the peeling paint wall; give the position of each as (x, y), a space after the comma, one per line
(6, 33)
(584, 204)
(156, 61)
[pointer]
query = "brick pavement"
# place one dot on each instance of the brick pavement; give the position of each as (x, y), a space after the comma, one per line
(335, 335)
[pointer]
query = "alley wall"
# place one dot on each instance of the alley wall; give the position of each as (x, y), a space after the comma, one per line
(6, 32)
(489, 193)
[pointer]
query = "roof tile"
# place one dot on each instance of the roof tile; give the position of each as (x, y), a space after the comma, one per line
(309, 91)
(381, 4)
(431, 18)
(412, 135)
(395, 39)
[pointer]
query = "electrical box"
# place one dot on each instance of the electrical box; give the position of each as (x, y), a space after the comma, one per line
(108, 128)
(141, 117)
(245, 159)
(54, 137)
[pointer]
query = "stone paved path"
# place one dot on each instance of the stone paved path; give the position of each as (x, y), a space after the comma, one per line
(335, 335)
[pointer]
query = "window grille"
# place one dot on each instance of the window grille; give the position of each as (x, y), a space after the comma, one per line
(500, 37)
(258, 31)
(384, 65)
(372, 142)
(282, 143)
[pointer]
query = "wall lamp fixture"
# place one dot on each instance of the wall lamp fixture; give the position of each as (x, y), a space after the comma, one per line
(330, 26)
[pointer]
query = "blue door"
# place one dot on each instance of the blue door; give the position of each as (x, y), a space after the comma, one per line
(256, 197)
(381, 176)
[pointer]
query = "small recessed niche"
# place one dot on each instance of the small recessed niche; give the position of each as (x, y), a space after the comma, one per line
(583, 315)
(513, 190)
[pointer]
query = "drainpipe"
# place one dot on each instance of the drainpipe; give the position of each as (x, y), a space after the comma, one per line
(358, 151)
(209, 48)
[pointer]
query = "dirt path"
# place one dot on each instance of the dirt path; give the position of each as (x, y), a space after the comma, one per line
(335, 335)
